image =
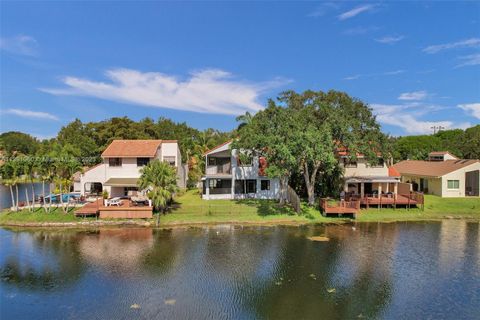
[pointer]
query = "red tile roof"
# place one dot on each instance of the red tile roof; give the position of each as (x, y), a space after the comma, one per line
(132, 148)
(392, 172)
(431, 168)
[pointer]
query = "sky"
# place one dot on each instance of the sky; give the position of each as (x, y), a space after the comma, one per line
(416, 64)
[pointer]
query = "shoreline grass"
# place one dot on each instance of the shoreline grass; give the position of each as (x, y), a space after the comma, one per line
(190, 209)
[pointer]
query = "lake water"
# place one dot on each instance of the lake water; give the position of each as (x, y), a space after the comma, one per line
(386, 271)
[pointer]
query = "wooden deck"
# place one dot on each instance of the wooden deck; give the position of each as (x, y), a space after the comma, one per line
(414, 199)
(125, 211)
(352, 205)
(330, 207)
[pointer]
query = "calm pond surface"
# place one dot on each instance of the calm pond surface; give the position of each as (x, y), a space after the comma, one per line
(387, 271)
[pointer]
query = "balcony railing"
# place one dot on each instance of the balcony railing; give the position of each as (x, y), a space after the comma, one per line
(220, 169)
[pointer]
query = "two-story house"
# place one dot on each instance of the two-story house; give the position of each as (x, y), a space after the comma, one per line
(122, 160)
(226, 177)
(362, 179)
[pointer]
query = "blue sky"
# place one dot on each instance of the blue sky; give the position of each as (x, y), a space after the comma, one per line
(417, 64)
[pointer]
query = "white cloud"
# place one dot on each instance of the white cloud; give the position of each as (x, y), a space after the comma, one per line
(390, 39)
(205, 91)
(413, 96)
(369, 75)
(468, 43)
(470, 60)
(31, 114)
(323, 9)
(356, 11)
(20, 44)
(407, 117)
(471, 108)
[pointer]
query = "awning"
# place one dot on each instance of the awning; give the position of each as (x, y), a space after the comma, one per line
(373, 179)
(121, 182)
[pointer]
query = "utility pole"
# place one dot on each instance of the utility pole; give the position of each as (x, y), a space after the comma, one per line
(435, 128)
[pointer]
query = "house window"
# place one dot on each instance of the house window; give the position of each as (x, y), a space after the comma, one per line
(245, 186)
(129, 191)
(212, 161)
(142, 162)
(349, 163)
(170, 160)
(265, 185)
(115, 162)
(453, 184)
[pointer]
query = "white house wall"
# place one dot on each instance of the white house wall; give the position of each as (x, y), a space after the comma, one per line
(363, 169)
(460, 176)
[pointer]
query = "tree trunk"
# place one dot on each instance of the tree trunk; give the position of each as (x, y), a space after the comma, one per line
(26, 198)
(33, 196)
(310, 182)
(43, 196)
(16, 189)
(283, 190)
(61, 197)
(13, 199)
(158, 218)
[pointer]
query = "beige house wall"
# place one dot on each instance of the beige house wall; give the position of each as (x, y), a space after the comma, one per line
(363, 169)
(439, 186)
(460, 176)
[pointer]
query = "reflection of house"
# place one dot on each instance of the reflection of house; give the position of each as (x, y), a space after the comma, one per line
(121, 163)
(443, 175)
(362, 179)
(227, 178)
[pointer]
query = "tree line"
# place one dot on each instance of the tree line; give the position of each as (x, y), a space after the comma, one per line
(298, 133)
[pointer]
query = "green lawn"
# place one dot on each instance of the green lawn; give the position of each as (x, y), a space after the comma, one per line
(189, 208)
(435, 208)
(39, 215)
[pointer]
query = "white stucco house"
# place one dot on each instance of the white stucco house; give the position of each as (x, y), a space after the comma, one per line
(227, 178)
(443, 175)
(363, 179)
(122, 160)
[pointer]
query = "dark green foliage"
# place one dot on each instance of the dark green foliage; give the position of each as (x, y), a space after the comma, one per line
(13, 141)
(463, 144)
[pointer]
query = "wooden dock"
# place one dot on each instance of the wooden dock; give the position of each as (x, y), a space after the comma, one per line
(352, 205)
(125, 211)
(330, 207)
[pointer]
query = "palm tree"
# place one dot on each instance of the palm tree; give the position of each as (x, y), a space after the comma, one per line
(7, 171)
(160, 179)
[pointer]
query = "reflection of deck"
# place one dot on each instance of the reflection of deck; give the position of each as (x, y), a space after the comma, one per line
(125, 211)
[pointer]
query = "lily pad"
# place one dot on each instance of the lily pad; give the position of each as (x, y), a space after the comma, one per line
(319, 238)
(135, 306)
(331, 290)
(170, 302)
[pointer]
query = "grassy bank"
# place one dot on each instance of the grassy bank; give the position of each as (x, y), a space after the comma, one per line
(189, 208)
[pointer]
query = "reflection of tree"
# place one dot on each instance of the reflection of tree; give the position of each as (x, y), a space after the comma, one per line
(307, 270)
(54, 264)
(117, 250)
(162, 257)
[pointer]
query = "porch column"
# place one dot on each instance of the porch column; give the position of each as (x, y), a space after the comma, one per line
(362, 190)
(232, 191)
(379, 190)
(207, 188)
(395, 189)
(345, 187)
(388, 187)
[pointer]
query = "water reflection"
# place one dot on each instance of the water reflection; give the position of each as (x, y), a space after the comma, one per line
(40, 260)
(416, 270)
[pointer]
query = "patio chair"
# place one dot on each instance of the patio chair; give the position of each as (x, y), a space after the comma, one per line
(114, 202)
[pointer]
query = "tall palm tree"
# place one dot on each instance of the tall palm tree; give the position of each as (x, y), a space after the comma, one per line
(7, 172)
(160, 179)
